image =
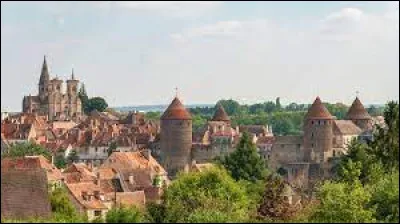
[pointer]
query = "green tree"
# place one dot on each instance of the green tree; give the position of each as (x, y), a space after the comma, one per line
(344, 203)
(245, 163)
(62, 207)
(194, 194)
(231, 107)
(385, 198)
(273, 205)
(113, 146)
(83, 95)
(26, 149)
(60, 162)
(95, 103)
(125, 215)
(278, 103)
(156, 212)
(385, 146)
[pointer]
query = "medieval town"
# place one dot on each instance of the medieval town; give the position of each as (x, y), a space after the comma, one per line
(116, 159)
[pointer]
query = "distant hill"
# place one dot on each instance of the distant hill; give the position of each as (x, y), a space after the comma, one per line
(155, 108)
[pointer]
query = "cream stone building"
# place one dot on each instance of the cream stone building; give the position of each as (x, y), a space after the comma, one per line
(52, 101)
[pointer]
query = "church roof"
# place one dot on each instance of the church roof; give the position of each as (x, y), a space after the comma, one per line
(357, 111)
(176, 111)
(220, 114)
(318, 111)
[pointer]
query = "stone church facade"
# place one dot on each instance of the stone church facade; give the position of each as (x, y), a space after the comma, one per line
(52, 101)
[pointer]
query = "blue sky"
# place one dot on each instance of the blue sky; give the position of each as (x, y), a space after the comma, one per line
(135, 53)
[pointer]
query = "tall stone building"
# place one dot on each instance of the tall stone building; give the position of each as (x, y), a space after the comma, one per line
(176, 138)
(318, 133)
(359, 115)
(52, 101)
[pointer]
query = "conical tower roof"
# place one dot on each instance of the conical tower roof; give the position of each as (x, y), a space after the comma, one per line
(44, 76)
(357, 111)
(176, 111)
(318, 111)
(220, 114)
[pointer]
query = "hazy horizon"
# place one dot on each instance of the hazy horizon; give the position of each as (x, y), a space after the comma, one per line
(136, 53)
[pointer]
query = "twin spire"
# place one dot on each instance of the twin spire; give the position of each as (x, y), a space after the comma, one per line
(45, 74)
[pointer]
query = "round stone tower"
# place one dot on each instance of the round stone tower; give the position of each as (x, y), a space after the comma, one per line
(359, 115)
(318, 133)
(176, 138)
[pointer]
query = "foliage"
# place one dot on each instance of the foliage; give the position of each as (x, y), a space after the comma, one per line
(202, 192)
(245, 163)
(385, 147)
(83, 95)
(95, 103)
(26, 149)
(113, 146)
(274, 205)
(385, 198)
(156, 212)
(62, 208)
(60, 162)
(152, 115)
(124, 215)
(343, 202)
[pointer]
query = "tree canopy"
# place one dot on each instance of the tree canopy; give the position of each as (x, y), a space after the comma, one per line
(245, 163)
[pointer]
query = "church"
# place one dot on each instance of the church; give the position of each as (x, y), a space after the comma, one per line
(52, 101)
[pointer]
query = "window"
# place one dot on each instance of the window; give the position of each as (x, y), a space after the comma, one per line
(282, 146)
(312, 122)
(312, 145)
(319, 122)
(97, 213)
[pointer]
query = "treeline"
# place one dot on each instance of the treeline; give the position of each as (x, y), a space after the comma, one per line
(285, 120)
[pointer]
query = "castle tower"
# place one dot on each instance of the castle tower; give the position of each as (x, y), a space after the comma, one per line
(359, 115)
(318, 133)
(221, 115)
(44, 81)
(176, 138)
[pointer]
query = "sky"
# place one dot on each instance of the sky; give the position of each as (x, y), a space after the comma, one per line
(137, 53)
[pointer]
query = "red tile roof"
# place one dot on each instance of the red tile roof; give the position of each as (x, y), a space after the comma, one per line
(176, 111)
(24, 194)
(220, 114)
(318, 111)
(357, 111)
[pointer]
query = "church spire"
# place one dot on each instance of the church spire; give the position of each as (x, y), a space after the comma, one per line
(44, 76)
(72, 74)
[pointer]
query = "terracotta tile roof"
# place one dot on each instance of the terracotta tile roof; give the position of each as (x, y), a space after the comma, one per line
(346, 127)
(106, 173)
(318, 111)
(135, 160)
(16, 131)
(79, 172)
(24, 194)
(176, 111)
(357, 111)
(77, 190)
(265, 140)
(220, 114)
(254, 129)
(32, 162)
